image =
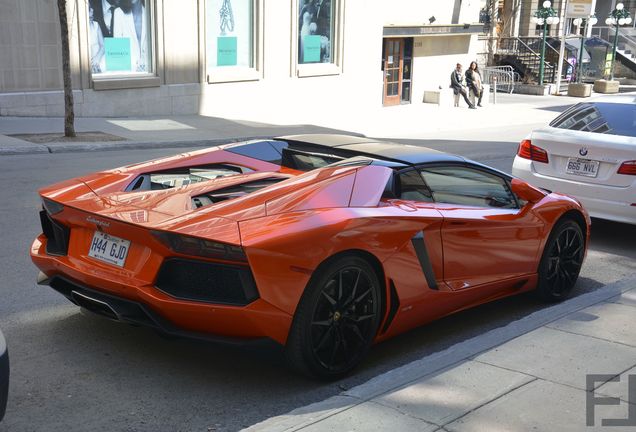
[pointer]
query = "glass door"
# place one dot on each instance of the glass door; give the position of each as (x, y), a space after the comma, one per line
(393, 64)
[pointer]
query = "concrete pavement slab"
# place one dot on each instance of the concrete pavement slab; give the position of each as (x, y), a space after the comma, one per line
(560, 357)
(540, 406)
(627, 298)
(621, 387)
(609, 321)
(450, 394)
(370, 417)
(306, 415)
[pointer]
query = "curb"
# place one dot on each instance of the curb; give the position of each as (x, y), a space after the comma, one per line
(118, 145)
(404, 375)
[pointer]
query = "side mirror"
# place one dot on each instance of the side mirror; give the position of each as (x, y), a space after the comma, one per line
(526, 192)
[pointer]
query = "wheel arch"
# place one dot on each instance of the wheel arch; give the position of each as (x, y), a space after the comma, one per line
(577, 216)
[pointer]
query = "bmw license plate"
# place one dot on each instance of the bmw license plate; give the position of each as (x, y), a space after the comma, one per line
(108, 248)
(583, 167)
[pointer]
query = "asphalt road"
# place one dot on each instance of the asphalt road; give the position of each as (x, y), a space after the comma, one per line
(72, 372)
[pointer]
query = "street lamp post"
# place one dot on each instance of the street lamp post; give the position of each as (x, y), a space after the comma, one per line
(544, 16)
(618, 17)
(579, 65)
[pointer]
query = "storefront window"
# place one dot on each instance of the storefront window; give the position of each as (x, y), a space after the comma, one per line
(229, 33)
(120, 37)
(315, 31)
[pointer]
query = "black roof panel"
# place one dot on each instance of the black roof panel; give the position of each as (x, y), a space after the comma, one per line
(351, 146)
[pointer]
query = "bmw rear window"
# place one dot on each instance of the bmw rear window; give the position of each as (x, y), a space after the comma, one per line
(599, 117)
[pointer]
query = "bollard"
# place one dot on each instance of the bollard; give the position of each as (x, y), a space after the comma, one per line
(494, 85)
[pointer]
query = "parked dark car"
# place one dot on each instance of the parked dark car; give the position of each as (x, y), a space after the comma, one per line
(4, 375)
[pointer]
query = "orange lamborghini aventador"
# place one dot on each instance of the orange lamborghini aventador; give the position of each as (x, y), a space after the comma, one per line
(323, 243)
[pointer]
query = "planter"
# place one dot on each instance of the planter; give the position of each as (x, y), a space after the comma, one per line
(579, 90)
(605, 86)
(533, 89)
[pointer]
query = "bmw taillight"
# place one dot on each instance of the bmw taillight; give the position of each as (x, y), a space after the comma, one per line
(527, 150)
(194, 246)
(628, 168)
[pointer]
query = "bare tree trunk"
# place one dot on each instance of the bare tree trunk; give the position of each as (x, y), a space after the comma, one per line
(69, 114)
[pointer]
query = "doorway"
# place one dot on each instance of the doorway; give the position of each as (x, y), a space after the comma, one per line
(397, 56)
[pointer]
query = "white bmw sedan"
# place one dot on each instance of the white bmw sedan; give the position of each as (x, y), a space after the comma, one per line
(588, 152)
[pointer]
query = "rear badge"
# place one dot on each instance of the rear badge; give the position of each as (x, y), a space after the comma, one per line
(98, 222)
(583, 151)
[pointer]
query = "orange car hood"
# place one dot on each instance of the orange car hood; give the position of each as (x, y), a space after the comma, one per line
(171, 209)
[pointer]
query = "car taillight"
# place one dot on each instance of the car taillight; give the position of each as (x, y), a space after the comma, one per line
(628, 168)
(529, 151)
(195, 246)
(52, 207)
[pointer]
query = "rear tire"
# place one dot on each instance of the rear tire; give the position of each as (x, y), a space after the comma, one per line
(336, 320)
(561, 261)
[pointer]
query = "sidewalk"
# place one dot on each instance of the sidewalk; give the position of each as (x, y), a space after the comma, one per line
(415, 120)
(527, 376)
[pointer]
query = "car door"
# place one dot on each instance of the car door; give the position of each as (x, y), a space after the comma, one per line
(487, 237)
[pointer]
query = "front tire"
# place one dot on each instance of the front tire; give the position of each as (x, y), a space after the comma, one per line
(336, 320)
(561, 261)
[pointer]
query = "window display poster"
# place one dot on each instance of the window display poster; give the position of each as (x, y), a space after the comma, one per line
(315, 24)
(117, 52)
(119, 36)
(226, 51)
(311, 49)
(229, 33)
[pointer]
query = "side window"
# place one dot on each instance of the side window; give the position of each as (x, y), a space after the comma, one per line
(261, 150)
(468, 187)
(411, 187)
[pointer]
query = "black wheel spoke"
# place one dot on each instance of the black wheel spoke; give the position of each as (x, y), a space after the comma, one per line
(322, 323)
(359, 319)
(361, 296)
(353, 290)
(356, 331)
(323, 339)
(334, 351)
(330, 299)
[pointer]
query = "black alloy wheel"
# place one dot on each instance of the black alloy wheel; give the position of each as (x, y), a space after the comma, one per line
(561, 261)
(336, 320)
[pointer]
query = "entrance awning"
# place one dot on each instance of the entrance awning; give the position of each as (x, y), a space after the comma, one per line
(431, 30)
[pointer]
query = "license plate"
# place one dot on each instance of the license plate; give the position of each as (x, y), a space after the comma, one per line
(583, 167)
(108, 248)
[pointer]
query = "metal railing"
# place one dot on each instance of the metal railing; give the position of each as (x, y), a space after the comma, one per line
(526, 52)
(505, 76)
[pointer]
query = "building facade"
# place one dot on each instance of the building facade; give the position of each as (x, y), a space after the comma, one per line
(230, 58)
(515, 16)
